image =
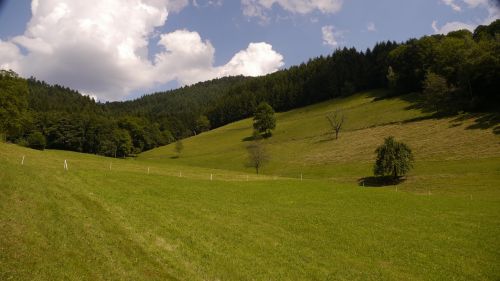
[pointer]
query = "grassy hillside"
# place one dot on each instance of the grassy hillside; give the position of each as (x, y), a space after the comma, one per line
(93, 223)
(161, 218)
(449, 151)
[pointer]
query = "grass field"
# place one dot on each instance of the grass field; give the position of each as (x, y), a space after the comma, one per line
(119, 222)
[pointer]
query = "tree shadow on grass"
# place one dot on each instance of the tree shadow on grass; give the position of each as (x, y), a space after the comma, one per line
(250, 138)
(483, 121)
(380, 181)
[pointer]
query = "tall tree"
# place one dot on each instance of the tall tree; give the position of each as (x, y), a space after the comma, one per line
(264, 120)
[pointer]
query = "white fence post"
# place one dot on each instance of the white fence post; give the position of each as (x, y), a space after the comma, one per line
(65, 165)
(22, 161)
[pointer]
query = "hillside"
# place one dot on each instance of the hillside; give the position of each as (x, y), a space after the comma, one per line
(205, 216)
(461, 146)
(96, 223)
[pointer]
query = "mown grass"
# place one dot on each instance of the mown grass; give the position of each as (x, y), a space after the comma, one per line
(94, 222)
(302, 144)
(90, 223)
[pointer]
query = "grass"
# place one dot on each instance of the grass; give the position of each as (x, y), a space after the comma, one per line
(97, 223)
(302, 144)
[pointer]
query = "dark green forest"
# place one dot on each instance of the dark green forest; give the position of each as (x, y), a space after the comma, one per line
(453, 73)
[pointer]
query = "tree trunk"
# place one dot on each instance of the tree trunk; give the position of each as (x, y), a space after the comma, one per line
(394, 173)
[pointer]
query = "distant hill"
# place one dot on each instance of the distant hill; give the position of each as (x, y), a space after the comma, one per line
(452, 73)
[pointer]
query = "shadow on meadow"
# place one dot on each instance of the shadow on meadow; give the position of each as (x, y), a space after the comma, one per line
(380, 181)
(482, 120)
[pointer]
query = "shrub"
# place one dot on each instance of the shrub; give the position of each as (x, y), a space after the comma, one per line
(393, 159)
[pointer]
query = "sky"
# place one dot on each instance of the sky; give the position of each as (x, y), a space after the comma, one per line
(123, 49)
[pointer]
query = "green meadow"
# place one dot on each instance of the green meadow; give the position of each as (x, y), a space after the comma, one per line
(206, 216)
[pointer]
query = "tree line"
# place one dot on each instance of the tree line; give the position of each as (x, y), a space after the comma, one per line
(454, 72)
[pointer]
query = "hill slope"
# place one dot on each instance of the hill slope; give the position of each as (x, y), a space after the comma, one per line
(93, 223)
(301, 142)
(204, 216)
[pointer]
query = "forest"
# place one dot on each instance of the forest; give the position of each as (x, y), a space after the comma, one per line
(452, 73)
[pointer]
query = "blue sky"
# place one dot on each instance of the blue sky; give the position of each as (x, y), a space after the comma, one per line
(121, 49)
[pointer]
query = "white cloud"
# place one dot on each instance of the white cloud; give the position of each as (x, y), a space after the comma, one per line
(259, 8)
(9, 55)
(331, 37)
(451, 26)
(176, 5)
(101, 48)
(475, 3)
(491, 6)
(452, 4)
(371, 27)
(257, 59)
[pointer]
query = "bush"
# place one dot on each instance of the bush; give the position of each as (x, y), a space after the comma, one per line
(393, 159)
(36, 140)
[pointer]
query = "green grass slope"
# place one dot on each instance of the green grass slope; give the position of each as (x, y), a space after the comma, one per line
(160, 218)
(93, 223)
(452, 154)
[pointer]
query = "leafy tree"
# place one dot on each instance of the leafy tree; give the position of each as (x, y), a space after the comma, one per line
(257, 155)
(264, 120)
(13, 104)
(179, 146)
(123, 142)
(336, 120)
(37, 140)
(393, 159)
(437, 92)
(202, 124)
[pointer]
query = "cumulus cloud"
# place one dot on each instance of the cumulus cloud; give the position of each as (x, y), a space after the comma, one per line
(10, 55)
(257, 59)
(492, 6)
(260, 8)
(101, 48)
(331, 36)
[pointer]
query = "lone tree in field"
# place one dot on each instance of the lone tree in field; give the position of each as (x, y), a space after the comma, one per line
(257, 155)
(393, 159)
(336, 120)
(36, 140)
(264, 120)
(179, 146)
